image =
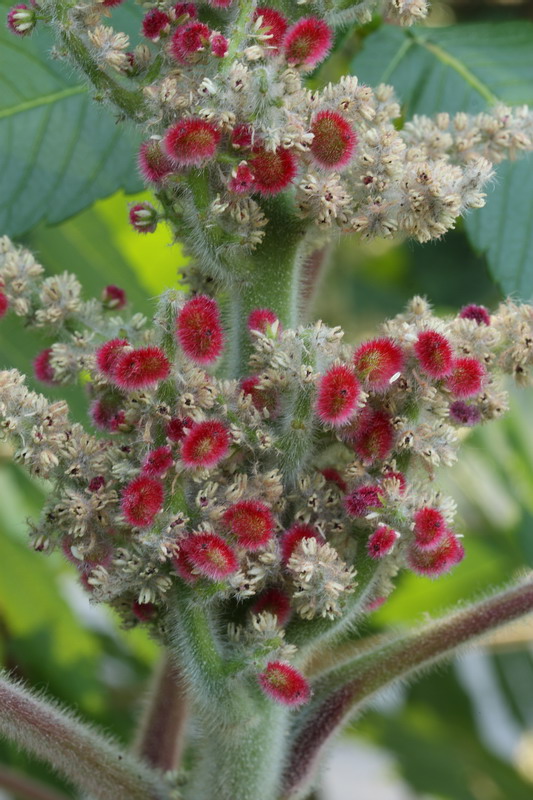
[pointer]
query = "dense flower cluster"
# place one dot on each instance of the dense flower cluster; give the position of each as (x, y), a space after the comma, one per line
(269, 494)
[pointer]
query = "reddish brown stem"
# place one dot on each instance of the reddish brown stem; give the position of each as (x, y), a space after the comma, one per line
(359, 681)
(160, 736)
(27, 788)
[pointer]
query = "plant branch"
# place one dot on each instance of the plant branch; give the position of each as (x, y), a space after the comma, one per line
(92, 762)
(160, 736)
(27, 788)
(344, 691)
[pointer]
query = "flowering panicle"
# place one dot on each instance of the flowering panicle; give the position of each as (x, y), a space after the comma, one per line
(187, 477)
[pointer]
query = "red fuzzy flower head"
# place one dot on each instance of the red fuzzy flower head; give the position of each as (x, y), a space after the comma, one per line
(359, 502)
(138, 369)
(43, 369)
(262, 399)
(292, 538)
(251, 522)
(377, 361)
(113, 297)
(157, 462)
(275, 602)
(477, 313)
(205, 444)
(433, 563)
(284, 684)
(466, 378)
(142, 500)
(108, 353)
(184, 567)
(434, 353)
(155, 23)
(106, 414)
(374, 435)
(96, 483)
(430, 528)
(242, 136)
(332, 475)
(188, 40)
(184, 10)
(338, 393)
(307, 42)
(464, 414)
(21, 19)
(210, 555)
(177, 428)
(334, 140)
(219, 45)
(154, 164)
(143, 217)
(111, 3)
(274, 25)
(242, 179)
(144, 611)
(4, 304)
(381, 542)
(273, 170)
(199, 330)
(261, 319)
(191, 142)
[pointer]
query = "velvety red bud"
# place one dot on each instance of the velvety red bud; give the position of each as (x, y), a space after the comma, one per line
(113, 297)
(284, 684)
(43, 369)
(106, 414)
(273, 170)
(184, 10)
(430, 528)
(191, 142)
(219, 45)
(338, 393)
(274, 25)
(242, 180)
(142, 499)
(334, 140)
(21, 19)
(381, 542)
(333, 476)
(188, 40)
(199, 330)
(242, 136)
(307, 42)
(155, 23)
(177, 428)
(362, 500)
(157, 462)
(108, 353)
(4, 304)
(210, 555)
(466, 378)
(477, 313)
(251, 522)
(373, 437)
(97, 483)
(464, 414)
(261, 319)
(138, 369)
(111, 3)
(292, 538)
(143, 217)
(433, 563)
(434, 353)
(261, 398)
(154, 164)
(205, 444)
(275, 602)
(144, 611)
(377, 361)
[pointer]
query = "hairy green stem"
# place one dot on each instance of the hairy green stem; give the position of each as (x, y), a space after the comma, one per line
(93, 763)
(27, 788)
(344, 691)
(160, 736)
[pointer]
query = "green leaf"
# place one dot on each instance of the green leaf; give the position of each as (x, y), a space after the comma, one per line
(59, 150)
(467, 68)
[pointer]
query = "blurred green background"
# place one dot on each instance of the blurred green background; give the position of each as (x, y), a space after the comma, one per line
(464, 732)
